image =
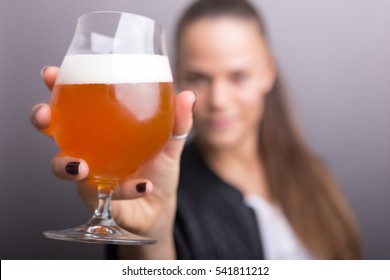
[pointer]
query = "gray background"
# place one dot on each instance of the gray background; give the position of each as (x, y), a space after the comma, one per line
(334, 54)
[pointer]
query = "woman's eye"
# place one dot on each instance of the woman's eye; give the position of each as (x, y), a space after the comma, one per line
(239, 77)
(197, 79)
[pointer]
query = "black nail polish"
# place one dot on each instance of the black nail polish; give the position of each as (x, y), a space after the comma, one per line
(141, 187)
(34, 113)
(72, 168)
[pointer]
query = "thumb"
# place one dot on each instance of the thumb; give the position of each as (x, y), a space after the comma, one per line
(184, 102)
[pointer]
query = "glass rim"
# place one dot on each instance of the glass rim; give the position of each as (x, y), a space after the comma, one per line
(119, 13)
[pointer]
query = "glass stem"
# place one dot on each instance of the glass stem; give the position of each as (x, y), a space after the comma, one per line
(102, 214)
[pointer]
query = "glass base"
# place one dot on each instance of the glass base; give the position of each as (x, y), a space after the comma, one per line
(98, 234)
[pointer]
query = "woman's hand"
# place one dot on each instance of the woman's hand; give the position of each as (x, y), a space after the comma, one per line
(155, 187)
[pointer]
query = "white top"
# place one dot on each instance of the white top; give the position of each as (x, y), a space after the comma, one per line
(278, 238)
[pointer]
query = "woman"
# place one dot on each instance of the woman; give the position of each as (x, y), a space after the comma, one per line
(249, 187)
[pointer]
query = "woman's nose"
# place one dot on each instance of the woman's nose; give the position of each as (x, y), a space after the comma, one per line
(219, 94)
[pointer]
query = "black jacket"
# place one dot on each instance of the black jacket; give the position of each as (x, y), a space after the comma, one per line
(212, 220)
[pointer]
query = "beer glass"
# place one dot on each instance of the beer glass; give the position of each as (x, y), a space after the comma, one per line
(112, 105)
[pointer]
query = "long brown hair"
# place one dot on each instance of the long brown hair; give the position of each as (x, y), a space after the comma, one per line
(297, 180)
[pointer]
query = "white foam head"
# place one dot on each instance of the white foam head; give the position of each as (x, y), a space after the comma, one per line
(114, 69)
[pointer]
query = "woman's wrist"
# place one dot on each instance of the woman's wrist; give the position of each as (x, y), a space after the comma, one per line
(163, 249)
(162, 230)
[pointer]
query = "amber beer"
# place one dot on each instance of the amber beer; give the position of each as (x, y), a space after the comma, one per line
(116, 122)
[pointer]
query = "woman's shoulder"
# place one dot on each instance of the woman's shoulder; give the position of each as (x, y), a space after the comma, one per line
(194, 171)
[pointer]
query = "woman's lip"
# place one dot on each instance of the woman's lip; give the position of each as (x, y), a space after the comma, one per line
(219, 123)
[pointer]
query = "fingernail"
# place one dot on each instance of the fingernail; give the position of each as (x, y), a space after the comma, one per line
(196, 97)
(141, 187)
(43, 70)
(72, 168)
(34, 113)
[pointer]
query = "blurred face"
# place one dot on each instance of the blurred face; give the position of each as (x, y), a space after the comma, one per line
(226, 61)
